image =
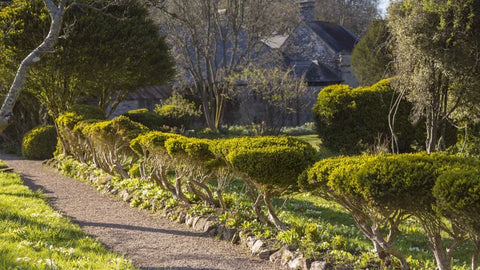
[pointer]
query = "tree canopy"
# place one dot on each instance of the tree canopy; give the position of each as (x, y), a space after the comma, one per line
(437, 54)
(372, 57)
(102, 54)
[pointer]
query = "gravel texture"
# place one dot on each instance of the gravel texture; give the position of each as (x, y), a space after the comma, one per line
(150, 241)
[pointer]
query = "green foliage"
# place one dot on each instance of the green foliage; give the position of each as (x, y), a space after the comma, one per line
(34, 236)
(458, 197)
(352, 120)
(273, 163)
(79, 113)
(436, 66)
(194, 149)
(177, 111)
(153, 141)
(387, 189)
(146, 118)
(40, 143)
(119, 128)
(372, 56)
(107, 54)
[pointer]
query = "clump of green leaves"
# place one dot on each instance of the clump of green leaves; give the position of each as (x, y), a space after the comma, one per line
(40, 142)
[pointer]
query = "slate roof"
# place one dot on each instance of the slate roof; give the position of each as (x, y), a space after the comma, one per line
(316, 73)
(335, 35)
(151, 93)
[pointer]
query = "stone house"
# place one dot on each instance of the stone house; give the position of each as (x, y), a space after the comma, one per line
(317, 51)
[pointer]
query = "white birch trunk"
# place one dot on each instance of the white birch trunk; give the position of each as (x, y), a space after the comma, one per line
(47, 46)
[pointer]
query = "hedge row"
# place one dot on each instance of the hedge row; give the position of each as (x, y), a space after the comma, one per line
(268, 165)
(381, 192)
(350, 120)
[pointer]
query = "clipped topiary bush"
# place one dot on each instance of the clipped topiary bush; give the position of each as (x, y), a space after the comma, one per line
(146, 118)
(384, 190)
(40, 143)
(79, 113)
(271, 163)
(350, 120)
(177, 112)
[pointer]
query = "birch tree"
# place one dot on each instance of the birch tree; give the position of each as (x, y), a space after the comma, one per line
(57, 13)
(128, 66)
(210, 39)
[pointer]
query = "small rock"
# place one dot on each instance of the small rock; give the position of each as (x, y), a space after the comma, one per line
(194, 222)
(227, 234)
(200, 224)
(264, 254)
(93, 178)
(189, 220)
(282, 256)
(236, 238)
(299, 263)
(250, 241)
(108, 187)
(114, 191)
(257, 247)
(319, 265)
(209, 226)
(181, 217)
(125, 195)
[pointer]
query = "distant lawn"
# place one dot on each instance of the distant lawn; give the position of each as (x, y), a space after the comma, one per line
(34, 236)
(316, 142)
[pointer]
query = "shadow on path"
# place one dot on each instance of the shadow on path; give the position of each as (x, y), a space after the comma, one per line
(137, 228)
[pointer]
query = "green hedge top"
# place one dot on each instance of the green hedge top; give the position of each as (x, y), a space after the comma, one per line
(193, 148)
(272, 163)
(153, 141)
(349, 120)
(402, 181)
(120, 126)
(458, 197)
(145, 117)
(79, 113)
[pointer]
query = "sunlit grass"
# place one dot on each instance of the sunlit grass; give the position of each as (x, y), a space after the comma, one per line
(34, 236)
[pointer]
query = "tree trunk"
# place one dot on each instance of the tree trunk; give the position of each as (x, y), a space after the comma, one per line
(442, 259)
(476, 250)
(47, 46)
(272, 216)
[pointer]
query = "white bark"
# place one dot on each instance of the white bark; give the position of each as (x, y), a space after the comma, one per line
(47, 46)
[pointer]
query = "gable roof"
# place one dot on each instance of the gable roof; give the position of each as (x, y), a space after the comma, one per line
(335, 35)
(315, 73)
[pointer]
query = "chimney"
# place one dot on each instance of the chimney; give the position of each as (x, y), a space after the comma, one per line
(307, 8)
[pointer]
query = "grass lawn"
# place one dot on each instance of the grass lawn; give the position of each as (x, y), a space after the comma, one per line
(34, 236)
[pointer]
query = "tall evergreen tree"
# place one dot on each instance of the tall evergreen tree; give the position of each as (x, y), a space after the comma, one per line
(372, 57)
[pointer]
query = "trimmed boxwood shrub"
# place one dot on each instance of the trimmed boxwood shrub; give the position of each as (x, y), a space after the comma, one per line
(458, 198)
(79, 113)
(146, 118)
(349, 120)
(271, 163)
(384, 190)
(40, 143)
(177, 112)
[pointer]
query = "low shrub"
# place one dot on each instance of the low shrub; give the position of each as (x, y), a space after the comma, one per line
(40, 143)
(146, 118)
(271, 163)
(350, 120)
(177, 112)
(79, 113)
(382, 191)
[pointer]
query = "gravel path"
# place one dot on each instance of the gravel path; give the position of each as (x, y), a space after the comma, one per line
(150, 241)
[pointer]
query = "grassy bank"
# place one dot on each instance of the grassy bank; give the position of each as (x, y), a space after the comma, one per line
(34, 236)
